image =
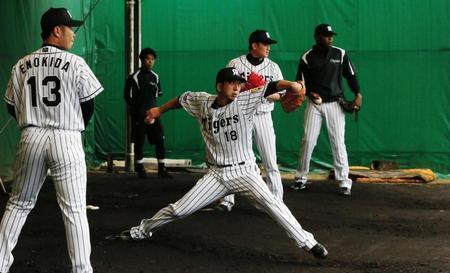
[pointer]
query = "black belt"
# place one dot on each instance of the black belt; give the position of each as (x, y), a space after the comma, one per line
(231, 165)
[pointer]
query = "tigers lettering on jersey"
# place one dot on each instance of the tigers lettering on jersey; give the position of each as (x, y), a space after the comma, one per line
(208, 123)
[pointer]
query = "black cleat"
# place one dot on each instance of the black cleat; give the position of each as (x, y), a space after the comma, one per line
(345, 191)
(163, 173)
(122, 236)
(140, 170)
(319, 251)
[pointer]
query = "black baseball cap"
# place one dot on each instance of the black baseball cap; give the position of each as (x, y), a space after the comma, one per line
(56, 17)
(260, 36)
(228, 74)
(324, 29)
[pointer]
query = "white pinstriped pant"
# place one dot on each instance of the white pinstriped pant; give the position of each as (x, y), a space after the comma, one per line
(335, 120)
(264, 136)
(244, 180)
(62, 152)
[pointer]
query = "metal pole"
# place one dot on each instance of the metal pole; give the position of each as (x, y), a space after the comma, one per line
(130, 66)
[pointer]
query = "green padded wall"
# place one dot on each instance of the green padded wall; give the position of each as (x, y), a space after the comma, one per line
(401, 50)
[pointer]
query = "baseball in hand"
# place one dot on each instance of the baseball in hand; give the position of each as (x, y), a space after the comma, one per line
(317, 100)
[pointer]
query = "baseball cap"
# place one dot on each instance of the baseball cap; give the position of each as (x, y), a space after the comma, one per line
(324, 29)
(57, 16)
(228, 74)
(260, 36)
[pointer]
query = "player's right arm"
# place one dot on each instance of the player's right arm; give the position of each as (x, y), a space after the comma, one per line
(156, 112)
(9, 98)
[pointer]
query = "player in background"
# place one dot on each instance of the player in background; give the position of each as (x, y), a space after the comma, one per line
(142, 88)
(226, 122)
(51, 94)
(257, 61)
(322, 69)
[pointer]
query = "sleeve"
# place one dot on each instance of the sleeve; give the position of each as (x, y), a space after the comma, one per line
(349, 73)
(88, 85)
(128, 91)
(9, 94)
(302, 71)
(192, 102)
(11, 110)
(231, 63)
(87, 109)
(278, 73)
(160, 92)
(250, 100)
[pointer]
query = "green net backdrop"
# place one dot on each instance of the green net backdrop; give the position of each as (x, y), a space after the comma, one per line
(401, 50)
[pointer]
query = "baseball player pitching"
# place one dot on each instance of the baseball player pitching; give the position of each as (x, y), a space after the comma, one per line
(257, 61)
(51, 94)
(226, 122)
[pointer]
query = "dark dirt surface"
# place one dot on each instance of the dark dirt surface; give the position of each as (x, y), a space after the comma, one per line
(380, 228)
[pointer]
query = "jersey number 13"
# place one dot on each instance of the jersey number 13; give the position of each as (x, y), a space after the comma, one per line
(54, 91)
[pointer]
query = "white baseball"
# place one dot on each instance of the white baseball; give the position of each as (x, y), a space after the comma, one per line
(317, 100)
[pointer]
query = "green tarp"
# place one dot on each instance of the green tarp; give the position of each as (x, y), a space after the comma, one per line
(401, 50)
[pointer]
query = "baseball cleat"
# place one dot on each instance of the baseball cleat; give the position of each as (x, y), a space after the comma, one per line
(345, 191)
(298, 186)
(319, 251)
(163, 173)
(122, 236)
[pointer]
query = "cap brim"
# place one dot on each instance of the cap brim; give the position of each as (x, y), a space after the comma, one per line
(329, 33)
(269, 41)
(75, 23)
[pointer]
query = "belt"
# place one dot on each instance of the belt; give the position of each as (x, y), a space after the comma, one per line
(231, 165)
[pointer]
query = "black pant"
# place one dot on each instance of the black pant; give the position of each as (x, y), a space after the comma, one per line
(155, 136)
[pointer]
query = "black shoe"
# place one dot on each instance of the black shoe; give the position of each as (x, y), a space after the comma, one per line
(319, 251)
(164, 174)
(345, 191)
(222, 208)
(122, 236)
(140, 170)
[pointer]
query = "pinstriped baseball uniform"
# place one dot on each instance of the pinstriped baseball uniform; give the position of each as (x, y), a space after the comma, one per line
(46, 88)
(263, 131)
(322, 68)
(227, 134)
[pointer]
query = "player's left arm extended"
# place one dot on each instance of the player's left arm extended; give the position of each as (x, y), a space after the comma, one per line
(349, 73)
(290, 87)
(156, 112)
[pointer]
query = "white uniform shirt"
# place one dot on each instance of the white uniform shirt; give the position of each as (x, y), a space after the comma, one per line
(269, 70)
(227, 131)
(47, 86)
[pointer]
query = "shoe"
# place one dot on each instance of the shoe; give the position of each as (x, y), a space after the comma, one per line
(122, 236)
(140, 170)
(222, 208)
(298, 186)
(164, 174)
(319, 251)
(345, 191)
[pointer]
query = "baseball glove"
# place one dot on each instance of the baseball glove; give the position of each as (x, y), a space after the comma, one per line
(348, 106)
(292, 99)
(253, 81)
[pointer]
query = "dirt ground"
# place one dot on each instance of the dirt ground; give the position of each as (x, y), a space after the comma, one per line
(380, 228)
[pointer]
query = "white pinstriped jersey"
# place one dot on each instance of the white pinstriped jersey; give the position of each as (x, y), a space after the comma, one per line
(268, 69)
(47, 86)
(226, 130)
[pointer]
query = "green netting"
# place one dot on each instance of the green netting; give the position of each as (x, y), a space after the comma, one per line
(400, 48)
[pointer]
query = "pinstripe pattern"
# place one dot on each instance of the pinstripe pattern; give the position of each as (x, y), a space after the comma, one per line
(46, 89)
(77, 84)
(334, 118)
(237, 178)
(263, 131)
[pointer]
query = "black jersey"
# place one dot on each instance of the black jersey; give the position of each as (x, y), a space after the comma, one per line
(322, 70)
